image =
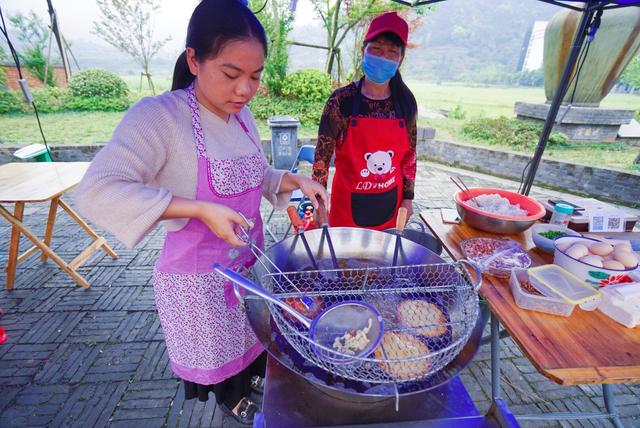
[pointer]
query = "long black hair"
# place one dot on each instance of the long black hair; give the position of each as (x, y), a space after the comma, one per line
(213, 24)
(399, 90)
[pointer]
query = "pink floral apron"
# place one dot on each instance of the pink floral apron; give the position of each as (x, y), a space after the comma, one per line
(206, 331)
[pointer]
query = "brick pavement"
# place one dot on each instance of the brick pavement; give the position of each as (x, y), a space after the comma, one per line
(93, 358)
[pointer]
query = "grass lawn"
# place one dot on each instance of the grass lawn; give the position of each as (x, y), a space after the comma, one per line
(81, 128)
(496, 101)
(93, 127)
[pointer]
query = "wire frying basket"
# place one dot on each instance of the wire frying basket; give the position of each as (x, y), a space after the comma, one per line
(429, 312)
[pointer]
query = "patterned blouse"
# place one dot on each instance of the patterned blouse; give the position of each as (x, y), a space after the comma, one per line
(333, 127)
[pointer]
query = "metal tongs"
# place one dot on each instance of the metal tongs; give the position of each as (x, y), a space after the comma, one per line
(463, 187)
(242, 234)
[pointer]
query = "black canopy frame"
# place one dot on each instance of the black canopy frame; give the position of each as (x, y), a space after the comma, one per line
(589, 9)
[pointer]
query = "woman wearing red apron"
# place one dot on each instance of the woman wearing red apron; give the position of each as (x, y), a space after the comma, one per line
(370, 126)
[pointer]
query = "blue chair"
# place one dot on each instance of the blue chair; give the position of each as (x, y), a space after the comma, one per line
(305, 154)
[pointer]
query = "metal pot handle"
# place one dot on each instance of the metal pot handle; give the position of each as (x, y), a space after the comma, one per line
(476, 270)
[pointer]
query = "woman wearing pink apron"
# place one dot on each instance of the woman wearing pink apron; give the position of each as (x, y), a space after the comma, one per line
(192, 157)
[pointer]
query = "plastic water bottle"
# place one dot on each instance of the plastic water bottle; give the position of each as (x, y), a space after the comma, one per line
(561, 214)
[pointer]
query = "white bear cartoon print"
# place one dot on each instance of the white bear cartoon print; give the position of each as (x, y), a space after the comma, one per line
(378, 163)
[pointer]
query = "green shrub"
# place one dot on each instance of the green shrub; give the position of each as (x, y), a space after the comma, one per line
(308, 113)
(457, 113)
(98, 104)
(51, 100)
(36, 63)
(11, 102)
(3, 78)
(97, 83)
(307, 85)
(513, 132)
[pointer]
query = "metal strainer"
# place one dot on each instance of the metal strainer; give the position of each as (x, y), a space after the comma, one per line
(428, 312)
(338, 334)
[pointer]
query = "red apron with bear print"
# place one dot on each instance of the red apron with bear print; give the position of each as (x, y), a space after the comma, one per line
(367, 185)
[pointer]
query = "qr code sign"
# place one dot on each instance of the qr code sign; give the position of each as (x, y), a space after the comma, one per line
(613, 223)
(597, 223)
(606, 221)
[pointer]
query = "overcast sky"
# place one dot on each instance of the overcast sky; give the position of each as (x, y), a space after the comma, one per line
(76, 17)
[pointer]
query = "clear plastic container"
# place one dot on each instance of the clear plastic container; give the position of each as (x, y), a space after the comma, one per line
(497, 257)
(561, 214)
(550, 305)
(554, 279)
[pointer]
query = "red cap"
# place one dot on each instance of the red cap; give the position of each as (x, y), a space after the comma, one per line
(388, 22)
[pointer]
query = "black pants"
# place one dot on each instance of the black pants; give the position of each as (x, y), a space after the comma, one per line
(230, 391)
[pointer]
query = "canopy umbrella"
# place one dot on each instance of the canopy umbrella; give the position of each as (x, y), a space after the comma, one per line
(589, 22)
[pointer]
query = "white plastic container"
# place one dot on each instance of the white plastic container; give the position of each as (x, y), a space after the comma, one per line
(622, 304)
(549, 305)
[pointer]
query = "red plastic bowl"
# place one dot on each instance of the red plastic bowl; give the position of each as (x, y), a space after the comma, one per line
(496, 223)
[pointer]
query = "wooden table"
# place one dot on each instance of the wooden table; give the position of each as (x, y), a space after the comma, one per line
(586, 347)
(42, 182)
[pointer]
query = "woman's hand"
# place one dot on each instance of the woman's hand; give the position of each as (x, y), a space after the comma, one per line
(223, 221)
(313, 190)
(408, 204)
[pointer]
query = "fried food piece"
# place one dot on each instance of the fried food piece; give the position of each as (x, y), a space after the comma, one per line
(398, 345)
(416, 313)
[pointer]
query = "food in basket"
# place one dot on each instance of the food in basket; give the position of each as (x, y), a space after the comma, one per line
(353, 341)
(496, 256)
(496, 204)
(310, 312)
(401, 346)
(415, 313)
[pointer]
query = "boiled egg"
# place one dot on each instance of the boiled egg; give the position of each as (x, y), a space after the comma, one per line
(628, 259)
(592, 260)
(577, 251)
(601, 248)
(612, 264)
(626, 246)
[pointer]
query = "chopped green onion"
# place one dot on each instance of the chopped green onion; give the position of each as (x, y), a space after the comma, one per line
(552, 234)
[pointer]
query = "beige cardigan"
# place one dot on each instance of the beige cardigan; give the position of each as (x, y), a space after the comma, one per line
(152, 157)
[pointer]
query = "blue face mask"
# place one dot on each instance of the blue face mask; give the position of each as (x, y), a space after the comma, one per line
(378, 69)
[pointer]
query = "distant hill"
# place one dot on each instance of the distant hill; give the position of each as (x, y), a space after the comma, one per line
(465, 36)
(457, 39)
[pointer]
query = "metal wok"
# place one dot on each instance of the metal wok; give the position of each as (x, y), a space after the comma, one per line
(366, 246)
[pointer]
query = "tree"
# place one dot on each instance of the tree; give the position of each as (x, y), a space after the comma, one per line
(277, 20)
(33, 33)
(631, 75)
(127, 26)
(339, 17)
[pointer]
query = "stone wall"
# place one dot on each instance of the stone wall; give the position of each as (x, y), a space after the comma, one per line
(86, 152)
(603, 182)
(600, 182)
